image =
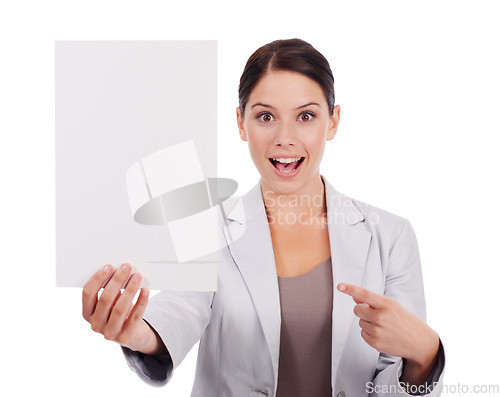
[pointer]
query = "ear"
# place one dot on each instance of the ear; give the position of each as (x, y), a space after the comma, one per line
(334, 123)
(239, 121)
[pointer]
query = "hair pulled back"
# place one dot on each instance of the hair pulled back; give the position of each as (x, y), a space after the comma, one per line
(294, 55)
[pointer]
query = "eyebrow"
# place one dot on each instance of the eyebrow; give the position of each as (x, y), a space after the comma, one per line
(300, 107)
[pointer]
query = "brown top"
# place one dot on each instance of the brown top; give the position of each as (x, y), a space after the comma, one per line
(306, 333)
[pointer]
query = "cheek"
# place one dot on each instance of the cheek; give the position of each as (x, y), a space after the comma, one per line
(257, 141)
(316, 144)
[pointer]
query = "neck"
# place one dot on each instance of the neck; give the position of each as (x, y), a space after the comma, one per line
(310, 199)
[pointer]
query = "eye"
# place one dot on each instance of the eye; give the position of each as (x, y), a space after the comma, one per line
(265, 117)
(307, 116)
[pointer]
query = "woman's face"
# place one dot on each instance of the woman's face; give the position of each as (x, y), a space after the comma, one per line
(286, 125)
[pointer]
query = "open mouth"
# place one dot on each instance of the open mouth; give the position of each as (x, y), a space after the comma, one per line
(287, 165)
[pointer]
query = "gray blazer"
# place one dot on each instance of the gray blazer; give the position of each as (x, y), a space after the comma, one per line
(239, 325)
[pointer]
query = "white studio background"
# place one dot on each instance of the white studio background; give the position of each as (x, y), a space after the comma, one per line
(418, 87)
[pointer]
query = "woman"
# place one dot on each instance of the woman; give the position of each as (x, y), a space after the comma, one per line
(321, 295)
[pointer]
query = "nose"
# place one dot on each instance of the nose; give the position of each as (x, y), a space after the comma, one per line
(285, 135)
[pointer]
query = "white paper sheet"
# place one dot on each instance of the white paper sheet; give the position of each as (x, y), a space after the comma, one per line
(118, 102)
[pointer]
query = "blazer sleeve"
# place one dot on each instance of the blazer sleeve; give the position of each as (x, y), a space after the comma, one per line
(404, 283)
(180, 319)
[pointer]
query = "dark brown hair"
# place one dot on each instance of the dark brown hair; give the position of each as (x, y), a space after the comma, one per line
(294, 55)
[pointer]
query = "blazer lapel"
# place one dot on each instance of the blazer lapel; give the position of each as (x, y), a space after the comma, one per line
(349, 248)
(253, 254)
(252, 251)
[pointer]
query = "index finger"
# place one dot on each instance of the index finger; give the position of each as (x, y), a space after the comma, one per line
(362, 295)
(91, 289)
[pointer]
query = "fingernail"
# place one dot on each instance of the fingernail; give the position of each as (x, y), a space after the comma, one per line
(145, 292)
(341, 287)
(108, 269)
(135, 278)
(125, 267)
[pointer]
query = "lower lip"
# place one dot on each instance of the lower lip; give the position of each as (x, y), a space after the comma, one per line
(286, 175)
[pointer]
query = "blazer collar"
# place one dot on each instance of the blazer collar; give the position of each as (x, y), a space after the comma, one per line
(253, 254)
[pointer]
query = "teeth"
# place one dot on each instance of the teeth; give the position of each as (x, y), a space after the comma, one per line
(286, 161)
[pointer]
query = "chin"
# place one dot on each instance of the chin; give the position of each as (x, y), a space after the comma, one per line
(287, 187)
